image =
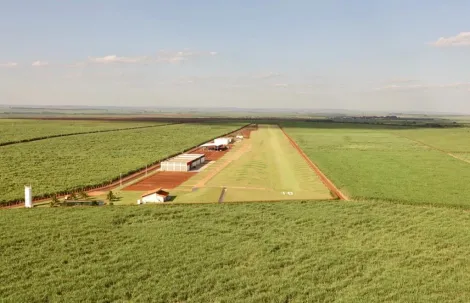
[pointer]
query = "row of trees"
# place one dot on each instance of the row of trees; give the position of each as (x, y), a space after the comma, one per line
(82, 195)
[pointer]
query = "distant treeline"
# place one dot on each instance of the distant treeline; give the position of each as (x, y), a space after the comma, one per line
(395, 122)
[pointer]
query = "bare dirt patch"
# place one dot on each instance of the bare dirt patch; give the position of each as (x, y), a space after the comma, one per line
(96, 193)
(163, 179)
(212, 155)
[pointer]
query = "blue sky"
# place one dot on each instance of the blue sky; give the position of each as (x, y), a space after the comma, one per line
(365, 55)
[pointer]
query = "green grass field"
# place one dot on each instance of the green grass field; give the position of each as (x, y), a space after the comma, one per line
(378, 163)
(367, 250)
(269, 169)
(250, 252)
(24, 129)
(450, 140)
(69, 162)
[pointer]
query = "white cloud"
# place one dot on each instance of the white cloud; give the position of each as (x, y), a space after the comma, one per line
(116, 59)
(462, 39)
(457, 85)
(8, 64)
(184, 82)
(402, 80)
(161, 56)
(267, 75)
(175, 57)
(281, 85)
(40, 63)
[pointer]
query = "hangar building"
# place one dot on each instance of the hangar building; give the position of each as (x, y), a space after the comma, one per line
(183, 162)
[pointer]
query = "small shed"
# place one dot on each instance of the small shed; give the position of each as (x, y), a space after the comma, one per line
(154, 196)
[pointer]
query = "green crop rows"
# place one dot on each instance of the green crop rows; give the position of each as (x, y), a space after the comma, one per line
(371, 162)
(17, 130)
(69, 163)
(258, 252)
(450, 140)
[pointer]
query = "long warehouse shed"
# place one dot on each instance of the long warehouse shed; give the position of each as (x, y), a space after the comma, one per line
(183, 162)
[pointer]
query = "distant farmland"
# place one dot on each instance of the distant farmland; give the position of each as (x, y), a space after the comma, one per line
(67, 163)
(15, 130)
(392, 164)
(372, 249)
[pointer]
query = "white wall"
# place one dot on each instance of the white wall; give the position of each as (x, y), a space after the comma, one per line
(28, 197)
(153, 198)
(173, 166)
(222, 141)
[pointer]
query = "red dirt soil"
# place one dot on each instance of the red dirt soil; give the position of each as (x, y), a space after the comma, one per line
(169, 180)
(211, 155)
(319, 173)
(247, 131)
(163, 179)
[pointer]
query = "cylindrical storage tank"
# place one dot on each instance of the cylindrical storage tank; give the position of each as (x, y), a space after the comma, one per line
(28, 197)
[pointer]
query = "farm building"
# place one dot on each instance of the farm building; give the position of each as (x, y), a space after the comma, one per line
(213, 146)
(154, 196)
(183, 162)
(223, 141)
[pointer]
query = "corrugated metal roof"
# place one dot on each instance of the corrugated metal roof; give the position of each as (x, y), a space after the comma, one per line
(185, 158)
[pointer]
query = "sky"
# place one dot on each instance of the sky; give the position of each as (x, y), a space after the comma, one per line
(388, 55)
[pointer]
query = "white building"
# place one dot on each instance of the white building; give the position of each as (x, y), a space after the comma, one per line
(222, 141)
(183, 162)
(28, 197)
(154, 196)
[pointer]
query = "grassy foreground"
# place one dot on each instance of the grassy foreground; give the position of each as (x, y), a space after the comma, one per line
(261, 252)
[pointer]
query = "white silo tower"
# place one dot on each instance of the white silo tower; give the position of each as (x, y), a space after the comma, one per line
(28, 197)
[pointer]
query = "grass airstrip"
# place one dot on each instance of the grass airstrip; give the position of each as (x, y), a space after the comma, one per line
(262, 168)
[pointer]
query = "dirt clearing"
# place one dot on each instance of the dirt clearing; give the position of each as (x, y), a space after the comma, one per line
(163, 179)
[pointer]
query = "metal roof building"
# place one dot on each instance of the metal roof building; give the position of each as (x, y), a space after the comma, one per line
(183, 162)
